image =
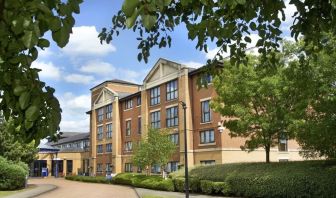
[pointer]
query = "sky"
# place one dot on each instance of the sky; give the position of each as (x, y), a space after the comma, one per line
(84, 62)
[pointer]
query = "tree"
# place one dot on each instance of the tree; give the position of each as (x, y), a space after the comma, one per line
(314, 78)
(257, 103)
(156, 148)
(23, 96)
(228, 23)
(12, 148)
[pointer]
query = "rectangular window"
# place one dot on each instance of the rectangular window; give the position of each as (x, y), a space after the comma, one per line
(156, 168)
(128, 104)
(138, 100)
(139, 125)
(99, 168)
(128, 127)
(108, 168)
(174, 138)
(172, 166)
(207, 136)
(109, 111)
(128, 167)
(100, 148)
(109, 131)
(100, 114)
(108, 148)
(172, 117)
(171, 90)
(100, 132)
(206, 114)
(128, 146)
(283, 144)
(208, 162)
(155, 96)
(206, 79)
(155, 120)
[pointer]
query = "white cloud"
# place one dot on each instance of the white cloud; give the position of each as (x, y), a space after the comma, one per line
(46, 53)
(49, 70)
(98, 67)
(192, 64)
(74, 110)
(289, 12)
(79, 78)
(84, 41)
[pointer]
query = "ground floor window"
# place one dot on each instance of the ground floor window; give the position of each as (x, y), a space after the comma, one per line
(99, 168)
(156, 168)
(172, 166)
(208, 162)
(69, 167)
(108, 168)
(128, 167)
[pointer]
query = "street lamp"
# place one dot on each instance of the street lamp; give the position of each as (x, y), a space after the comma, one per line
(184, 106)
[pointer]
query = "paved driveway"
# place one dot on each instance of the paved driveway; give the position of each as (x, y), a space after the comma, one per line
(74, 189)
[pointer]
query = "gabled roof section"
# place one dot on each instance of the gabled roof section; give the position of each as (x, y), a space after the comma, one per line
(74, 138)
(115, 81)
(157, 71)
(105, 94)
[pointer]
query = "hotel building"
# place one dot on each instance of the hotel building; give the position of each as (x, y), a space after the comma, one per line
(122, 111)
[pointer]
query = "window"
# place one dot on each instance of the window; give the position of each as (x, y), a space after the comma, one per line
(108, 148)
(128, 146)
(206, 79)
(155, 96)
(283, 143)
(138, 100)
(109, 111)
(109, 131)
(208, 162)
(128, 127)
(155, 120)
(172, 117)
(156, 168)
(100, 133)
(128, 167)
(100, 114)
(99, 168)
(207, 136)
(172, 166)
(139, 169)
(139, 125)
(174, 138)
(171, 90)
(108, 167)
(128, 104)
(206, 114)
(100, 148)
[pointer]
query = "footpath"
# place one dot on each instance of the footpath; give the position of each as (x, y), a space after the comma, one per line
(40, 189)
(142, 192)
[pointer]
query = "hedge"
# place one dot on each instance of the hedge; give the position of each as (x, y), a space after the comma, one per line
(88, 179)
(291, 179)
(12, 175)
(143, 181)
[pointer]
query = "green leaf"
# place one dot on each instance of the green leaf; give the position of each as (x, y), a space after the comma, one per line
(19, 89)
(131, 20)
(61, 37)
(32, 113)
(129, 6)
(43, 43)
(149, 21)
(247, 39)
(24, 100)
(29, 39)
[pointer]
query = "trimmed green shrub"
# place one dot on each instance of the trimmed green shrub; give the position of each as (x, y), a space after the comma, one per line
(12, 175)
(88, 179)
(179, 184)
(292, 179)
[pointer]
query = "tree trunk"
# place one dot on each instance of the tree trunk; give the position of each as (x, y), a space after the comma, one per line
(267, 149)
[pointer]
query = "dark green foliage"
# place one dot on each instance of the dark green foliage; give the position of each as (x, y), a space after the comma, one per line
(102, 180)
(143, 181)
(292, 179)
(12, 175)
(179, 184)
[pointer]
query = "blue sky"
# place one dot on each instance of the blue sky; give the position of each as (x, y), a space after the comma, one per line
(84, 62)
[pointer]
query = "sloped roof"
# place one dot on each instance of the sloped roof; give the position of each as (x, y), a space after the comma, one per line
(80, 136)
(116, 81)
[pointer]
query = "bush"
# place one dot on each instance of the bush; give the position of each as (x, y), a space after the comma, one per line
(292, 179)
(179, 184)
(143, 181)
(88, 179)
(12, 175)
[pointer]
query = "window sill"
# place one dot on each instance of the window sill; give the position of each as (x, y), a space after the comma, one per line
(172, 100)
(206, 122)
(128, 109)
(207, 144)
